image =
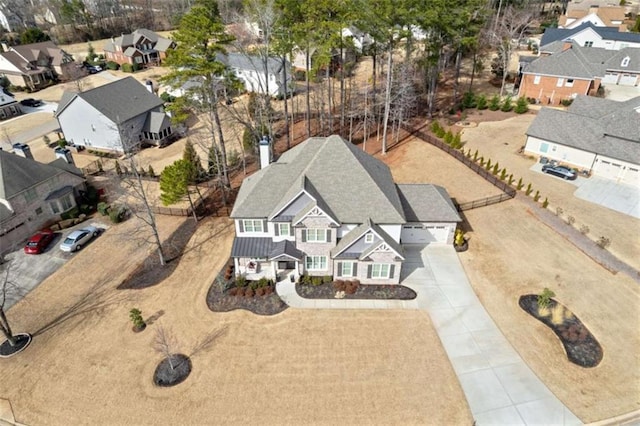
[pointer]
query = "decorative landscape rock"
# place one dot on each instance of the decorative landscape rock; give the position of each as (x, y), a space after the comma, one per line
(581, 346)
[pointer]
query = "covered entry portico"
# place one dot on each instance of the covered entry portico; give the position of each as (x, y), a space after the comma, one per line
(257, 258)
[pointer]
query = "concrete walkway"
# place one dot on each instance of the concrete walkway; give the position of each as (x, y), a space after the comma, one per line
(499, 387)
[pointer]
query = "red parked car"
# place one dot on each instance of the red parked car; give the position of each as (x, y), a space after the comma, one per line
(39, 242)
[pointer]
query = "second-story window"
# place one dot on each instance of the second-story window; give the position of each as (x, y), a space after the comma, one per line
(251, 225)
(316, 235)
(282, 229)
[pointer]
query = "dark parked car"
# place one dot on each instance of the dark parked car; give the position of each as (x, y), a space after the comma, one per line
(560, 171)
(30, 102)
(39, 242)
(93, 69)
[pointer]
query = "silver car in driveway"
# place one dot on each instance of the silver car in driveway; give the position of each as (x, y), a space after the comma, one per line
(77, 239)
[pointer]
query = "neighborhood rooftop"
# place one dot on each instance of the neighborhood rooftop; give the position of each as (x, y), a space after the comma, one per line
(119, 101)
(607, 33)
(614, 132)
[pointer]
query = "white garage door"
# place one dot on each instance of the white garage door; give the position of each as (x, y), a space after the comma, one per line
(608, 169)
(610, 77)
(422, 234)
(628, 80)
(631, 176)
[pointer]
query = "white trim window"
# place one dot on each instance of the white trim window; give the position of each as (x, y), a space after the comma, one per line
(283, 229)
(316, 235)
(560, 82)
(625, 61)
(347, 269)
(368, 239)
(380, 270)
(252, 225)
(536, 79)
(315, 263)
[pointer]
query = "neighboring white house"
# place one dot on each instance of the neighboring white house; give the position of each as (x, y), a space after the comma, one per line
(587, 35)
(605, 16)
(327, 208)
(257, 76)
(118, 116)
(597, 135)
(360, 39)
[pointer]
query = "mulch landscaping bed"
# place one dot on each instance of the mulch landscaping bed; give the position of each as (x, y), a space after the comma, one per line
(362, 291)
(22, 341)
(150, 272)
(166, 376)
(234, 298)
(581, 346)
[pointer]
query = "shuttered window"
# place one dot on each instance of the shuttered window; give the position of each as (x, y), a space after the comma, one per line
(253, 225)
(282, 229)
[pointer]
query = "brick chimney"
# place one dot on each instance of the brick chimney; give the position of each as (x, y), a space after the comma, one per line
(567, 44)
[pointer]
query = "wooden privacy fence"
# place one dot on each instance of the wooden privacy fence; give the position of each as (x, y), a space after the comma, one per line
(508, 191)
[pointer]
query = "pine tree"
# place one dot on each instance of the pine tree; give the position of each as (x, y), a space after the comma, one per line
(191, 156)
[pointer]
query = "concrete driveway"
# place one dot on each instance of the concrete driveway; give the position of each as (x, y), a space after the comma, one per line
(499, 386)
(612, 195)
(27, 271)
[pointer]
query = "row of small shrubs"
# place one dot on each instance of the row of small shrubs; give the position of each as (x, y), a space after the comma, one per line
(131, 67)
(314, 280)
(111, 65)
(116, 213)
(602, 242)
(246, 288)
(471, 100)
(122, 171)
(451, 139)
(102, 154)
(349, 286)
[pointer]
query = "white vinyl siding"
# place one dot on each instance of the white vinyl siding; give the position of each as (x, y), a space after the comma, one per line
(315, 263)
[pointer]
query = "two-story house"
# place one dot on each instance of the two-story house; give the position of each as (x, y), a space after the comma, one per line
(587, 35)
(35, 66)
(328, 208)
(258, 75)
(142, 47)
(578, 71)
(33, 194)
(9, 107)
(118, 116)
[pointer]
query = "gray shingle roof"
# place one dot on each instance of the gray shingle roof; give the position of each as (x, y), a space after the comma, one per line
(578, 62)
(615, 62)
(353, 184)
(163, 44)
(285, 248)
(250, 62)
(607, 33)
(427, 203)
(156, 122)
(591, 134)
(357, 233)
(17, 174)
(119, 101)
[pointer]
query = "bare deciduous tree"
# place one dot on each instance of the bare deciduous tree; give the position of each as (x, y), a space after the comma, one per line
(8, 290)
(165, 344)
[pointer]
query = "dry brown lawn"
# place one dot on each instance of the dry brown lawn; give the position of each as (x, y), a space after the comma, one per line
(86, 366)
(512, 253)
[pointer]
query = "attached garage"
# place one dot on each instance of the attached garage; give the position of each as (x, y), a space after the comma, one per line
(628, 80)
(608, 169)
(419, 233)
(631, 176)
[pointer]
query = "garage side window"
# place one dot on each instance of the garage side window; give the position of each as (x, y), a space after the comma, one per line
(536, 79)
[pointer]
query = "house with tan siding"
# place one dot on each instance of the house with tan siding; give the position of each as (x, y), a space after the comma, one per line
(327, 208)
(143, 47)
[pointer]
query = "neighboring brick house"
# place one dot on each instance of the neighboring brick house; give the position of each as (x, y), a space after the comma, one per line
(118, 116)
(327, 208)
(9, 107)
(35, 66)
(33, 195)
(605, 16)
(597, 135)
(578, 71)
(143, 47)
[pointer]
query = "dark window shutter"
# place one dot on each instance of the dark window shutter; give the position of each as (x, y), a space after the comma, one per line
(304, 235)
(391, 268)
(355, 269)
(339, 273)
(291, 230)
(276, 229)
(328, 235)
(241, 223)
(369, 271)
(264, 226)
